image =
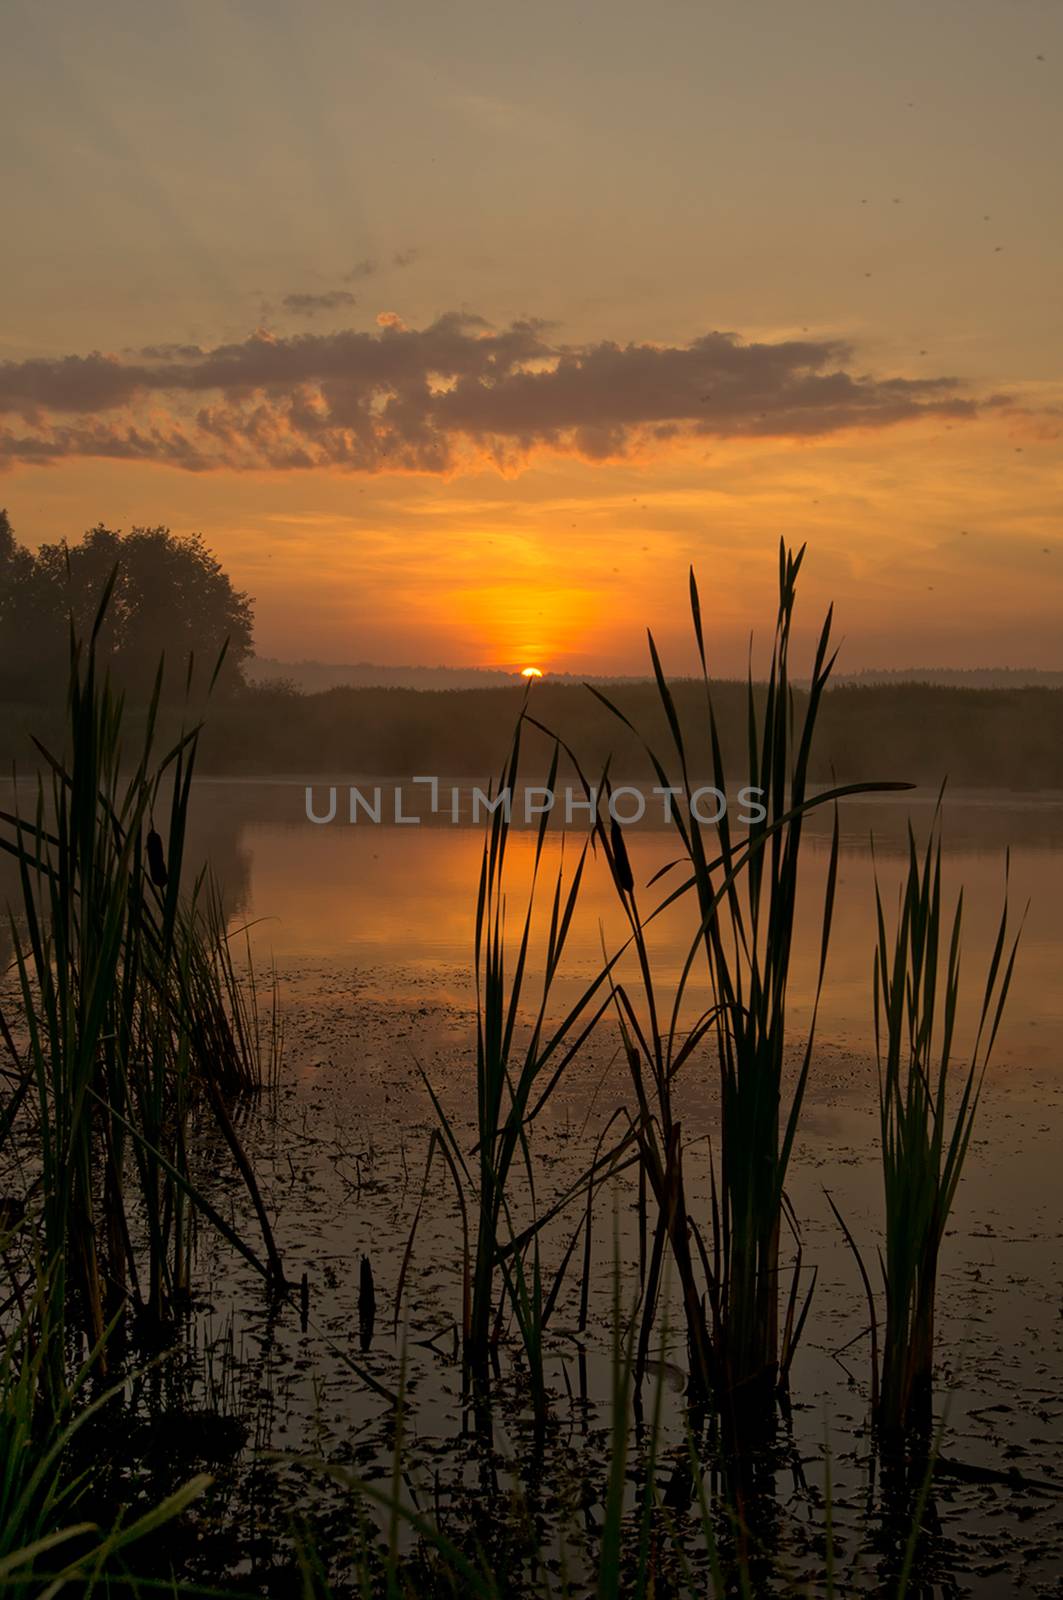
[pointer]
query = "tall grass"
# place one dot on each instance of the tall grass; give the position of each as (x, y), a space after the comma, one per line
(50, 1538)
(741, 1333)
(520, 1058)
(927, 1109)
(745, 887)
(125, 1013)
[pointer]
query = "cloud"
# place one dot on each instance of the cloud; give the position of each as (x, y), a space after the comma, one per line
(453, 393)
(308, 305)
(167, 445)
(369, 266)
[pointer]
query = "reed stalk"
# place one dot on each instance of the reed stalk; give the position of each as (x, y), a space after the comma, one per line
(520, 1058)
(927, 1109)
(46, 1537)
(745, 887)
(126, 1012)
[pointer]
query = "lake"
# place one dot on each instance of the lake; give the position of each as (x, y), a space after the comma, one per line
(370, 928)
(396, 904)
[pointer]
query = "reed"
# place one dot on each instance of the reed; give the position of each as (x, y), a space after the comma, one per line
(237, 1025)
(927, 1109)
(745, 889)
(47, 1534)
(520, 1058)
(123, 1013)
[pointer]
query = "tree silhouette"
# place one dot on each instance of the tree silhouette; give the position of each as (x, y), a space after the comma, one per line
(170, 597)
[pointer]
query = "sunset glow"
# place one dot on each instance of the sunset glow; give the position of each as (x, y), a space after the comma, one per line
(419, 426)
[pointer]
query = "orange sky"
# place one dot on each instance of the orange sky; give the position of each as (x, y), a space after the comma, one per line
(408, 310)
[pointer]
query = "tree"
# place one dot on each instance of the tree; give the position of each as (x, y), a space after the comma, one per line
(14, 565)
(170, 598)
(18, 646)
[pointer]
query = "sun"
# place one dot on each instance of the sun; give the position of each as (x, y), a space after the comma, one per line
(531, 672)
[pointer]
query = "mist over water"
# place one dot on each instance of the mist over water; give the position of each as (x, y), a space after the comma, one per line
(400, 900)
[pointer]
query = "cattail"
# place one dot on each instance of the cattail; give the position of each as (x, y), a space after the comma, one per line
(156, 861)
(366, 1304)
(621, 864)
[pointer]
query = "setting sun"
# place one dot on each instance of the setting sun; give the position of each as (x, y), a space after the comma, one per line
(531, 672)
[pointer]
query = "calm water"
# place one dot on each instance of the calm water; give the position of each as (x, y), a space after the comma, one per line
(373, 926)
(400, 900)
(371, 931)
(395, 904)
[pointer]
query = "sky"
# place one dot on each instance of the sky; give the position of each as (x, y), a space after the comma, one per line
(460, 329)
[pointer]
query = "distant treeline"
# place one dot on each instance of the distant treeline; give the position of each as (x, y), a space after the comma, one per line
(959, 677)
(981, 738)
(311, 677)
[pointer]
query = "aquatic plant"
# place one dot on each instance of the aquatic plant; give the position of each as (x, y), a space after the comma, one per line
(927, 1109)
(744, 886)
(127, 1012)
(48, 1540)
(520, 1058)
(649, 1520)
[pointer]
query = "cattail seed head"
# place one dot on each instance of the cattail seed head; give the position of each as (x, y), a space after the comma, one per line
(621, 864)
(156, 861)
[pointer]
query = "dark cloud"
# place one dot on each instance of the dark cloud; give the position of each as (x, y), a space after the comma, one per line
(308, 305)
(431, 399)
(67, 383)
(170, 352)
(167, 445)
(369, 266)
